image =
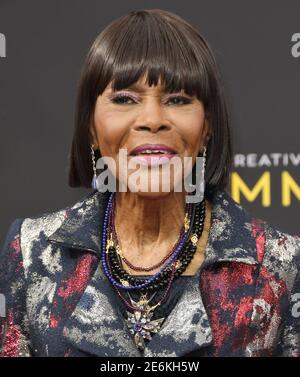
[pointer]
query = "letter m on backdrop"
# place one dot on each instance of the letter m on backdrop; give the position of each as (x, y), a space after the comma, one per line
(2, 46)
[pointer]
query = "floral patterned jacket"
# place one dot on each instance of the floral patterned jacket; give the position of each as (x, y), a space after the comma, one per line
(245, 302)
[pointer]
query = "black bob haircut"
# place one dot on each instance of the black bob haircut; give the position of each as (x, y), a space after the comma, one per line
(162, 45)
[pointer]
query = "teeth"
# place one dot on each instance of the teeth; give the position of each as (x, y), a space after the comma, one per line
(151, 151)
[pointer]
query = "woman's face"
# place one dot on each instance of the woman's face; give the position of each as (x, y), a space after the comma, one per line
(142, 114)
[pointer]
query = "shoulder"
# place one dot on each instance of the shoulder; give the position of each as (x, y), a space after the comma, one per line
(48, 222)
(277, 246)
(277, 243)
(277, 252)
(281, 253)
(25, 233)
(285, 246)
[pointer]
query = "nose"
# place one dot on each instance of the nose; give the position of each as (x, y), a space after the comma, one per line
(152, 117)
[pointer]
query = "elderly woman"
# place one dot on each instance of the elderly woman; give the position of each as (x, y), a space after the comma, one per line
(132, 272)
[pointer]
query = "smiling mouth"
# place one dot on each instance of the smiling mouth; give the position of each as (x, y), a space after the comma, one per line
(151, 152)
(152, 159)
(153, 149)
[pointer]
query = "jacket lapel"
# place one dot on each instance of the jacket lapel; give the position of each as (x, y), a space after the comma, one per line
(97, 327)
(187, 327)
(231, 239)
(82, 225)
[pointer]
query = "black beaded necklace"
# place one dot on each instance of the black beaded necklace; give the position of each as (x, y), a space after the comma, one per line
(140, 313)
(184, 258)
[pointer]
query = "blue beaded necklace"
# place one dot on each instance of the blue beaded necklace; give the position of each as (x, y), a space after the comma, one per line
(105, 249)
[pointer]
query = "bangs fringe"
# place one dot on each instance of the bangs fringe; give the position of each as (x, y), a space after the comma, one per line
(151, 47)
(161, 47)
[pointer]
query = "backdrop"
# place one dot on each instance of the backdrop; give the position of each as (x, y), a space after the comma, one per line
(42, 48)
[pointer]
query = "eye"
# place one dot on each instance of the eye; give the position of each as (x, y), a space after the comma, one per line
(179, 100)
(121, 99)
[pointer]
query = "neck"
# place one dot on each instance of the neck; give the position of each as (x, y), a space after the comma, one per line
(143, 224)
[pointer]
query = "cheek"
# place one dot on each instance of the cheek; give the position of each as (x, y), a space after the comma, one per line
(110, 130)
(190, 126)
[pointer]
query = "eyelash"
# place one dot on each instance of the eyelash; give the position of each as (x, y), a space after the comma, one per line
(116, 98)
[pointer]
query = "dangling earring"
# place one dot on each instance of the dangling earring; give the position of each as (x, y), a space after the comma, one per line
(204, 159)
(202, 181)
(94, 180)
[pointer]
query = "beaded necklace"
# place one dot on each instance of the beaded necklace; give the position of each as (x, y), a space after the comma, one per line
(122, 258)
(119, 252)
(140, 312)
(184, 254)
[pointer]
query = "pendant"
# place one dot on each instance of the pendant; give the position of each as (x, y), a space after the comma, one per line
(194, 239)
(109, 243)
(140, 324)
(186, 223)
